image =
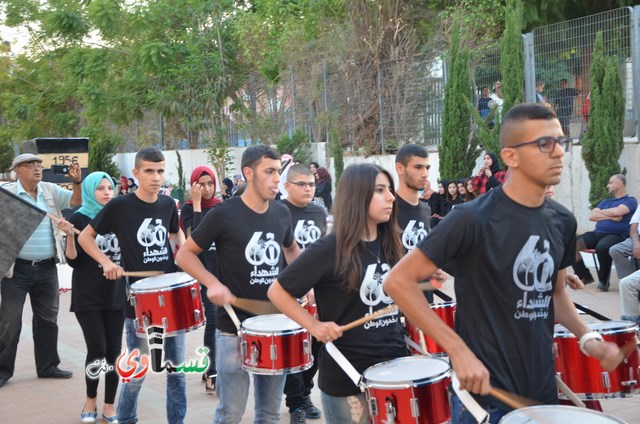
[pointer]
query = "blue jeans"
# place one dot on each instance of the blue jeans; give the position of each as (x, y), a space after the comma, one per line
(460, 415)
(174, 351)
(232, 386)
(40, 282)
(345, 410)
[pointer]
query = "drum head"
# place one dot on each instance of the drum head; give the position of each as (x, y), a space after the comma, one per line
(551, 414)
(407, 370)
(267, 324)
(160, 282)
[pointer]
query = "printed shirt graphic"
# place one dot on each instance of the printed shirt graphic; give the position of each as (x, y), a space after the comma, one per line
(90, 290)
(505, 258)
(143, 232)
(249, 247)
(414, 222)
(309, 223)
(376, 341)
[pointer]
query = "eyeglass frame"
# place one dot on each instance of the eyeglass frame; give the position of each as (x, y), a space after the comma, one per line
(302, 184)
(563, 140)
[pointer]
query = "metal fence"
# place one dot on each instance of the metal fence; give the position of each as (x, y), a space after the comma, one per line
(401, 101)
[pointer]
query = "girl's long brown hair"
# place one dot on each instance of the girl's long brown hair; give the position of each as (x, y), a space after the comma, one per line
(350, 214)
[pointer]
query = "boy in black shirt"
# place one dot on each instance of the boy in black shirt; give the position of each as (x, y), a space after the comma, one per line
(141, 221)
(309, 222)
(507, 251)
(249, 259)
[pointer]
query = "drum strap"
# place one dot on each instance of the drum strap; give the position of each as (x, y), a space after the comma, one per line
(346, 366)
(469, 402)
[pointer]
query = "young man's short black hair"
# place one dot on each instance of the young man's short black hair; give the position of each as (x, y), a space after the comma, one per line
(148, 154)
(520, 113)
(406, 152)
(253, 154)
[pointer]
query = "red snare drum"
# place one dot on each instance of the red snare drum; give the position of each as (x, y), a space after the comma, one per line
(274, 344)
(171, 301)
(584, 375)
(446, 311)
(556, 414)
(415, 334)
(312, 309)
(409, 390)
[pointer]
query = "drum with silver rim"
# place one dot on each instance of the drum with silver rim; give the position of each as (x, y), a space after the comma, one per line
(584, 375)
(409, 390)
(274, 344)
(556, 414)
(171, 301)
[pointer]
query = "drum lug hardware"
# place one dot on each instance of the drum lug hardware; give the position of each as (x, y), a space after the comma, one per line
(194, 292)
(243, 348)
(605, 380)
(629, 383)
(373, 405)
(161, 300)
(274, 352)
(415, 408)
(165, 322)
(146, 322)
(196, 314)
(390, 410)
(306, 347)
(255, 353)
(132, 300)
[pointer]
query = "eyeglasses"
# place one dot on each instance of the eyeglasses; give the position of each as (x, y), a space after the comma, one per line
(302, 184)
(32, 165)
(547, 144)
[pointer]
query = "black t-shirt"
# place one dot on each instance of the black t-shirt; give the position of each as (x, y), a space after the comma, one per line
(143, 233)
(191, 219)
(249, 248)
(413, 221)
(90, 291)
(309, 223)
(376, 341)
(505, 258)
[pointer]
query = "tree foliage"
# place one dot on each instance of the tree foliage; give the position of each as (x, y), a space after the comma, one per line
(457, 150)
(512, 57)
(603, 142)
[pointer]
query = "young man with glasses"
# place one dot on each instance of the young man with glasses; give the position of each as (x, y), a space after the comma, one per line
(309, 222)
(507, 251)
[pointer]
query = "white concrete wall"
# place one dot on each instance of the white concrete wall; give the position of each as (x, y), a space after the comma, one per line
(573, 191)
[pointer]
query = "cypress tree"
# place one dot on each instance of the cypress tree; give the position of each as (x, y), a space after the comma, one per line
(512, 56)
(457, 151)
(603, 143)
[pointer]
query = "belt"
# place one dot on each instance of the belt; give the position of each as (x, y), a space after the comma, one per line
(35, 262)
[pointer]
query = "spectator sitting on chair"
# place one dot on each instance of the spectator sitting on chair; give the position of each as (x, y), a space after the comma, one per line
(612, 218)
(626, 254)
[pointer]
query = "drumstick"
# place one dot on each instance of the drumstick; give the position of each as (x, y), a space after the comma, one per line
(56, 220)
(512, 400)
(256, 307)
(376, 314)
(142, 273)
(569, 393)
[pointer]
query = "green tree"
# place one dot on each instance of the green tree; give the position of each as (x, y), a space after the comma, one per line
(512, 56)
(602, 143)
(297, 145)
(457, 151)
(102, 145)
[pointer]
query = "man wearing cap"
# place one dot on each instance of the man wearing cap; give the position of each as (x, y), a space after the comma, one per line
(34, 271)
(238, 183)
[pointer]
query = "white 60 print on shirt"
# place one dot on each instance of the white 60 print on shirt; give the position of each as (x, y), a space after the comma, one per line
(306, 232)
(264, 255)
(533, 273)
(413, 234)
